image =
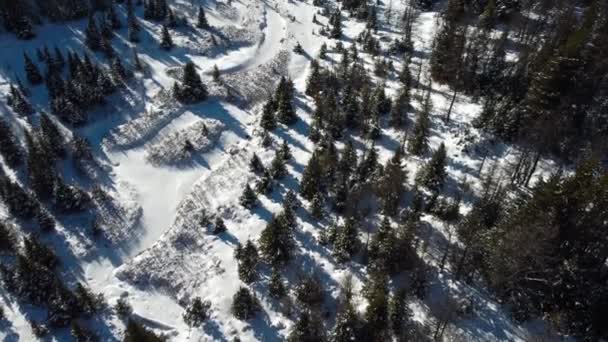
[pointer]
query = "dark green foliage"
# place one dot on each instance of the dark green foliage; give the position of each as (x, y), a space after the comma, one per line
(383, 249)
(310, 184)
(20, 203)
(348, 324)
(31, 70)
(347, 241)
(277, 166)
(249, 198)
(41, 170)
(418, 141)
(255, 164)
(398, 114)
(335, 20)
(391, 184)
(276, 240)
(268, 120)
(46, 223)
(247, 259)
(432, 175)
(123, 308)
(400, 314)
(39, 253)
(202, 19)
(316, 207)
(69, 198)
(284, 98)
(81, 334)
(197, 312)
(136, 332)
(376, 314)
(9, 148)
(7, 238)
(309, 291)
(219, 226)
(276, 287)
(264, 184)
(18, 102)
(166, 42)
(192, 89)
(52, 139)
(244, 304)
(89, 302)
(308, 328)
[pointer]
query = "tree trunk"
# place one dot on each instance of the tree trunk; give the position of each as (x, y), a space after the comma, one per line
(461, 262)
(447, 117)
(532, 169)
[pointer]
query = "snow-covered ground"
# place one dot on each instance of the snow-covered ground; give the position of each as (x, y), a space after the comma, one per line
(159, 255)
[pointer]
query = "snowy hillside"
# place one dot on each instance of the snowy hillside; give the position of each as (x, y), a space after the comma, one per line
(160, 171)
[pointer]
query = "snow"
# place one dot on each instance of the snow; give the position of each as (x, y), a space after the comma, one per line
(157, 251)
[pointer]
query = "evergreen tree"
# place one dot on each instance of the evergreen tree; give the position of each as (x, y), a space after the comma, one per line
(347, 241)
(310, 184)
(248, 199)
(316, 207)
(196, 313)
(247, 258)
(418, 141)
(308, 328)
(276, 288)
(449, 45)
(268, 121)
(216, 74)
(92, 35)
(41, 169)
(219, 226)
(51, 139)
(202, 19)
(383, 251)
(277, 166)
(335, 20)
(398, 114)
(432, 175)
(376, 314)
(166, 42)
(400, 315)
(391, 185)
(285, 151)
(18, 202)
(192, 89)
(136, 332)
(348, 324)
(31, 70)
(255, 164)
(276, 241)
(19, 102)
(133, 26)
(9, 147)
(69, 198)
(244, 304)
(46, 223)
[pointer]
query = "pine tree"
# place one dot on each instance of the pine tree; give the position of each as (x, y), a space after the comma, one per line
(18, 202)
(347, 241)
(310, 184)
(69, 198)
(132, 23)
(31, 70)
(41, 169)
(248, 199)
(202, 19)
(166, 42)
(400, 314)
(398, 115)
(277, 166)
(244, 304)
(418, 141)
(383, 249)
(268, 121)
(316, 207)
(284, 97)
(81, 334)
(276, 241)
(46, 223)
(276, 288)
(216, 74)
(432, 175)
(135, 332)
(92, 35)
(255, 164)
(335, 21)
(9, 148)
(197, 312)
(219, 226)
(449, 44)
(376, 314)
(247, 258)
(19, 102)
(51, 139)
(323, 51)
(391, 184)
(348, 323)
(308, 328)
(285, 151)
(192, 89)
(264, 184)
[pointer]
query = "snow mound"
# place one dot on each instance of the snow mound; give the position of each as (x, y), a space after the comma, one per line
(181, 260)
(180, 146)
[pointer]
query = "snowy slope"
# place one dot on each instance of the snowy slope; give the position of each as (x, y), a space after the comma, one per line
(159, 255)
